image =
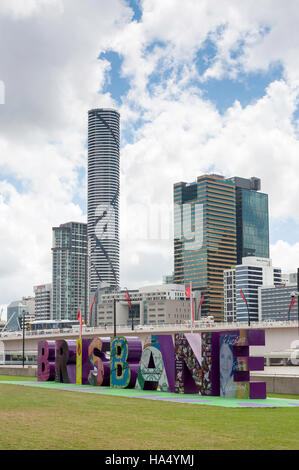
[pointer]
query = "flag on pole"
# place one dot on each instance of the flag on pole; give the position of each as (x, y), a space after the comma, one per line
(243, 296)
(200, 303)
(128, 299)
(291, 306)
(189, 296)
(80, 320)
(188, 291)
(92, 305)
(293, 302)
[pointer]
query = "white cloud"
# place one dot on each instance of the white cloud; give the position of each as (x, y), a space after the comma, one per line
(18, 9)
(55, 77)
(285, 256)
(49, 65)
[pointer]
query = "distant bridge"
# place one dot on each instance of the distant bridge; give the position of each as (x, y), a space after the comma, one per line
(280, 335)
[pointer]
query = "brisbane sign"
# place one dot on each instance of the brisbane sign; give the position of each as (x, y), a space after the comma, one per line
(211, 363)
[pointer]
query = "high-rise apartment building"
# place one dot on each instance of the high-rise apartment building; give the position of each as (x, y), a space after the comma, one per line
(43, 296)
(103, 197)
(252, 219)
(69, 271)
(205, 237)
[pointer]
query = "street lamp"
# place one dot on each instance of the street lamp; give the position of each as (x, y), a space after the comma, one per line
(23, 315)
(130, 307)
(293, 294)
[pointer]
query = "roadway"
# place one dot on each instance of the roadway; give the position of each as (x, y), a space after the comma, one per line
(280, 336)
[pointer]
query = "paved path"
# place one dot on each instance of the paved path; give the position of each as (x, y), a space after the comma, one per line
(162, 396)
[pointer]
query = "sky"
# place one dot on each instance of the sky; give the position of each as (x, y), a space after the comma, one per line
(202, 86)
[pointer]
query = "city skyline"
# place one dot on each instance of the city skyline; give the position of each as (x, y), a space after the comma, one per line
(221, 99)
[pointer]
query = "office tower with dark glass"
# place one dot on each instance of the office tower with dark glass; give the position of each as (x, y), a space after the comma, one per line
(69, 271)
(252, 219)
(205, 237)
(103, 197)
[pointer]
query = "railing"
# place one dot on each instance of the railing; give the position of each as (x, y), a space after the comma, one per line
(16, 358)
(199, 325)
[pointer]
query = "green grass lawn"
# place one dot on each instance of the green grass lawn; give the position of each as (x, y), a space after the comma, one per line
(52, 419)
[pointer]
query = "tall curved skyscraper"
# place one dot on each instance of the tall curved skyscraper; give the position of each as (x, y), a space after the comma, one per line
(103, 197)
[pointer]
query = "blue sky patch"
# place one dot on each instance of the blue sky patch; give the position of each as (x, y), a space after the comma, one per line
(247, 89)
(21, 185)
(205, 56)
(115, 84)
(136, 7)
(284, 229)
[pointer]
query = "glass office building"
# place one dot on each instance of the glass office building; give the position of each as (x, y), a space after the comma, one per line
(69, 271)
(252, 217)
(205, 237)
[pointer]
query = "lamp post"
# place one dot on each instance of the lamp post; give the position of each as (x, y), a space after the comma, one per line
(293, 295)
(114, 317)
(130, 307)
(23, 314)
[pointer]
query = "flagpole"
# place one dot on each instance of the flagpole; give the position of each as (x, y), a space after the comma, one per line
(80, 320)
(291, 306)
(130, 307)
(244, 298)
(199, 307)
(191, 307)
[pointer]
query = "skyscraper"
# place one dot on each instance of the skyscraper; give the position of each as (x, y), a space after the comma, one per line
(69, 271)
(205, 237)
(252, 219)
(103, 197)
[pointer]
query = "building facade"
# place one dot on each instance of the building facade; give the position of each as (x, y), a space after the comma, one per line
(16, 311)
(275, 302)
(166, 303)
(103, 198)
(229, 277)
(252, 217)
(252, 274)
(168, 279)
(43, 300)
(69, 271)
(205, 238)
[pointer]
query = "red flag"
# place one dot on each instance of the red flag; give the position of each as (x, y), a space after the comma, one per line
(92, 305)
(188, 291)
(128, 299)
(200, 303)
(243, 296)
(293, 302)
(80, 320)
